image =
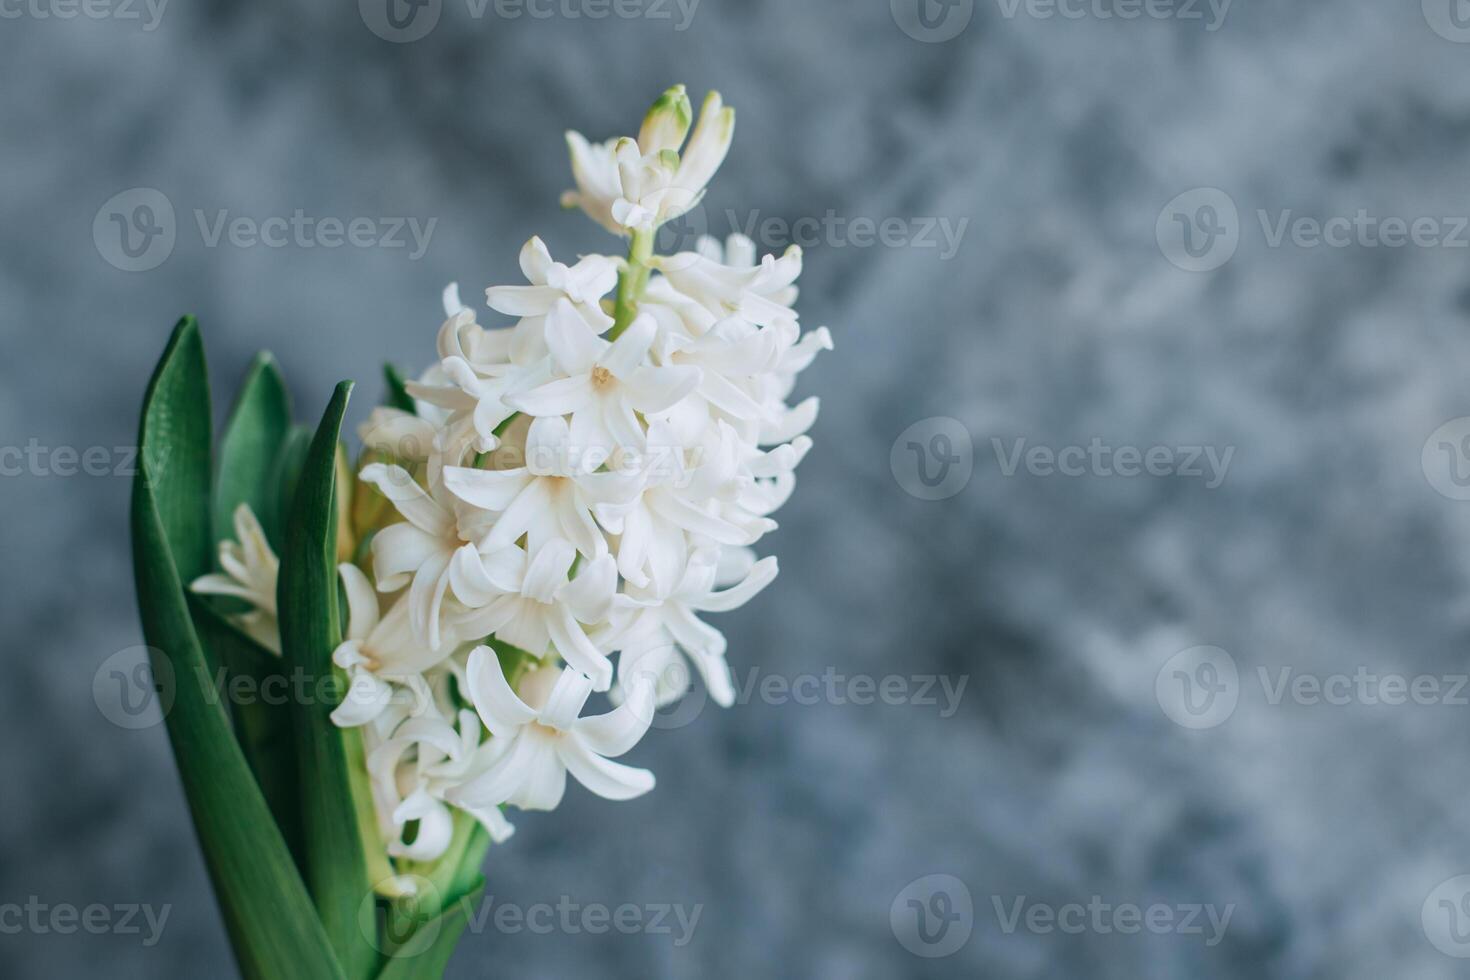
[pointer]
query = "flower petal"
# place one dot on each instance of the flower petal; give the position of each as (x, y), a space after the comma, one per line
(522, 300)
(762, 574)
(399, 550)
(362, 601)
(491, 490)
(411, 500)
(565, 700)
(607, 779)
(620, 729)
(501, 711)
(559, 397)
(574, 347)
(628, 352)
(656, 389)
(548, 570)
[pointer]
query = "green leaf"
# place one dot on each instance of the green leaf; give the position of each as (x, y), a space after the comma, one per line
(306, 597)
(266, 908)
(426, 959)
(252, 439)
(285, 471)
(397, 395)
(261, 715)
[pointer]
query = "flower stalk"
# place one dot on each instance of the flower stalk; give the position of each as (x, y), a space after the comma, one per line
(545, 513)
(632, 281)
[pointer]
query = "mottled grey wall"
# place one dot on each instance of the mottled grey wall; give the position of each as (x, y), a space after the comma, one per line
(1326, 546)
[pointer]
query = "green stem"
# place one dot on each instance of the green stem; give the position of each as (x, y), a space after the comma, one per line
(631, 282)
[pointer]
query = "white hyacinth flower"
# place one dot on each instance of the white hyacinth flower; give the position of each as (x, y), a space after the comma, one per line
(250, 570)
(604, 386)
(552, 496)
(418, 552)
(380, 653)
(528, 600)
(631, 184)
(429, 756)
(537, 739)
(582, 286)
(572, 491)
(658, 631)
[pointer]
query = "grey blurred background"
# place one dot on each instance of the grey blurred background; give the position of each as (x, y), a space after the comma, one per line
(1330, 538)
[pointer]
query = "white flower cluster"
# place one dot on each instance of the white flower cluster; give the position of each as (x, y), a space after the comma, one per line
(577, 487)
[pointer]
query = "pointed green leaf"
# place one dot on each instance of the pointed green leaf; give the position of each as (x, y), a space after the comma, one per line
(252, 439)
(285, 471)
(306, 597)
(266, 908)
(396, 395)
(251, 682)
(426, 960)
